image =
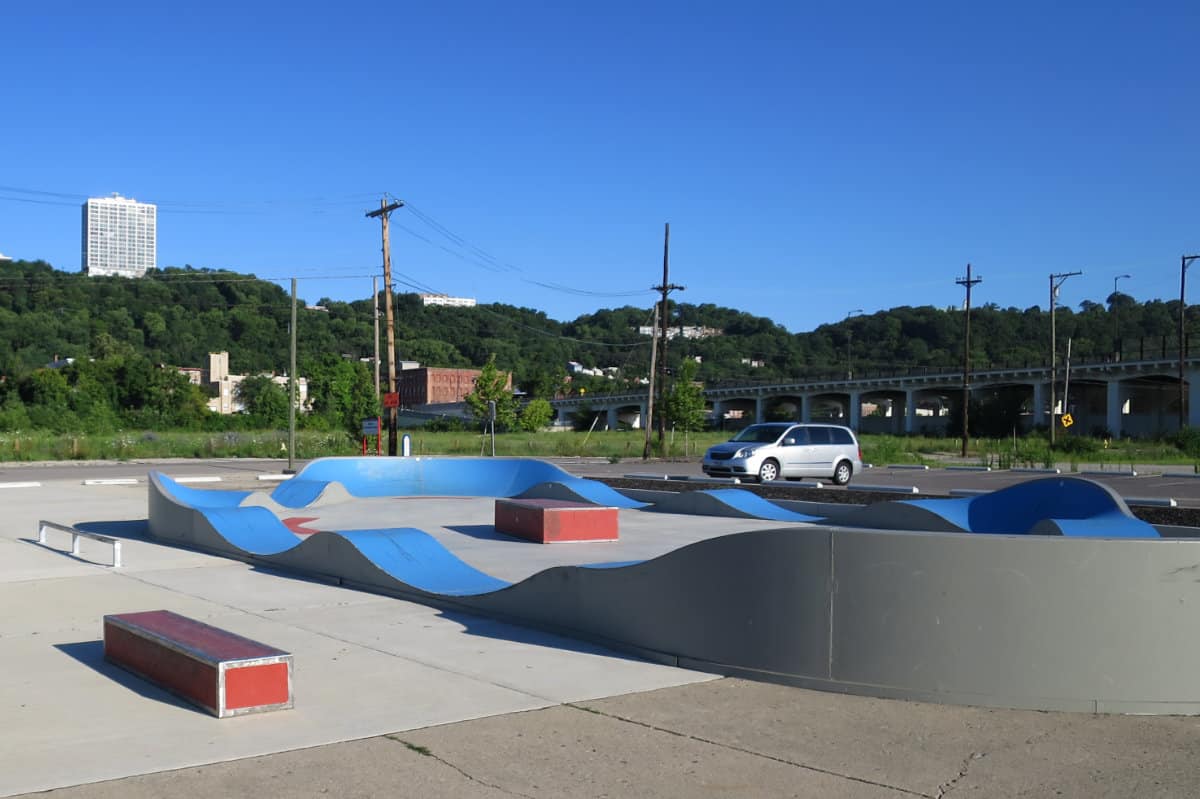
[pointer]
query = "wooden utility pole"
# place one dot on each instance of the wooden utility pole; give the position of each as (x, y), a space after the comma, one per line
(967, 281)
(664, 322)
(385, 209)
(647, 424)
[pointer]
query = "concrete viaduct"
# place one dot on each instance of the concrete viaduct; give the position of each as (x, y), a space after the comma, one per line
(1128, 398)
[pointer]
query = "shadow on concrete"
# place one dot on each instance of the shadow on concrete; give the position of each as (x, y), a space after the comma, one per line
(91, 654)
(486, 627)
(488, 532)
(137, 529)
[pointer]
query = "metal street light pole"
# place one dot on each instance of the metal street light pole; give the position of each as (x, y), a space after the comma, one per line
(1056, 280)
(1115, 311)
(849, 343)
(968, 282)
(1184, 262)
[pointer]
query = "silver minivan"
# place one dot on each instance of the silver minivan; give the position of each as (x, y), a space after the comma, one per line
(768, 451)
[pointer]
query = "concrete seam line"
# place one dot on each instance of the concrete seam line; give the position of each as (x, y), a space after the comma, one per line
(743, 750)
(424, 751)
(948, 786)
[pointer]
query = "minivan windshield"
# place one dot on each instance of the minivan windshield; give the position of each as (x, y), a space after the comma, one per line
(760, 433)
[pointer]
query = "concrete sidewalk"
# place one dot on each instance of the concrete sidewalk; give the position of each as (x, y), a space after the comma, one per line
(365, 664)
(398, 699)
(727, 738)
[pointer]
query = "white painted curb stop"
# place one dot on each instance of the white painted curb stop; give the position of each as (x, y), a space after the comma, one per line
(885, 489)
(1154, 502)
(276, 476)
(201, 479)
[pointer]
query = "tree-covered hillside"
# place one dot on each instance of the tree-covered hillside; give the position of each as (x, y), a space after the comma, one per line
(176, 317)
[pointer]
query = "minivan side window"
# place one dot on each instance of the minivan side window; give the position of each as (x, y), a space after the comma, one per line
(797, 437)
(841, 436)
(819, 435)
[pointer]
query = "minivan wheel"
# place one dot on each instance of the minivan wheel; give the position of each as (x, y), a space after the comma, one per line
(842, 473)
(768, 471)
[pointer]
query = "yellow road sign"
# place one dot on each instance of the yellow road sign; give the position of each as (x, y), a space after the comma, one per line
(1067, 421)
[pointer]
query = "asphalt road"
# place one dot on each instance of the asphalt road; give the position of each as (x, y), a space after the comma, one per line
(1147, 481)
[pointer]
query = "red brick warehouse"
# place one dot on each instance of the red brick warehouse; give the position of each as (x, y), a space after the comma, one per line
(434, 385)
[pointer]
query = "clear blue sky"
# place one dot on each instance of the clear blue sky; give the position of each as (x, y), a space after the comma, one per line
(812, 158)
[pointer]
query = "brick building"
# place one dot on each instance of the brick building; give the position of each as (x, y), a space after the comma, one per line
(434, 385)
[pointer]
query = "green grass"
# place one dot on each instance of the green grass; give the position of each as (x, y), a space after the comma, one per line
(880, 450)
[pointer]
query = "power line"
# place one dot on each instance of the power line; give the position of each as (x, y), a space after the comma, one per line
(493, 264)
(315, 205)
(474, 254)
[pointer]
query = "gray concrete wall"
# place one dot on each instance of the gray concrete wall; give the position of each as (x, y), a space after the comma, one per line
(1096, 625)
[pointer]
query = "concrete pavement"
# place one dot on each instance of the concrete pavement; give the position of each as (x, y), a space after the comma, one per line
(397, 699)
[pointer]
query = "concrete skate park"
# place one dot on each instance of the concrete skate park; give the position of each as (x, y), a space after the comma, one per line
(1052, 597)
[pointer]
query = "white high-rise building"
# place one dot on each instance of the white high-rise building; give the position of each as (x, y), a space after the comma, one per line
(119, 236)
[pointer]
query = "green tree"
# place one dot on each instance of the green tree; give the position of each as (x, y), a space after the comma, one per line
(13, 417)
(536, 414)
(341, 392)
(492, 386)
(683, 405)
(264, 401)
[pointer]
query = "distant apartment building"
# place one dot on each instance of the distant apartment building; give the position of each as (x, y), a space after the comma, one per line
(687, 331)
(576, 368)
(217, 380)
(119, 236)
(433, 385)
(445, 299)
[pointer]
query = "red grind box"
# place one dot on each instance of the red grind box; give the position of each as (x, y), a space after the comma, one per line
(553, 521)
(224, 673)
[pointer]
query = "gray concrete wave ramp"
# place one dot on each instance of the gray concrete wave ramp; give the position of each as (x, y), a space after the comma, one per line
(1015, 619)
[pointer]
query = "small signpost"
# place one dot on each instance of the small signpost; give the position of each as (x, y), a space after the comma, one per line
(370, 427)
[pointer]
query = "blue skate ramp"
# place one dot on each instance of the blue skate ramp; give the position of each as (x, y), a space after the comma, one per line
(1056, 610)
(202, 498)
(419, 560)
(1069, 506)
(739, 502)
(448, 477)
